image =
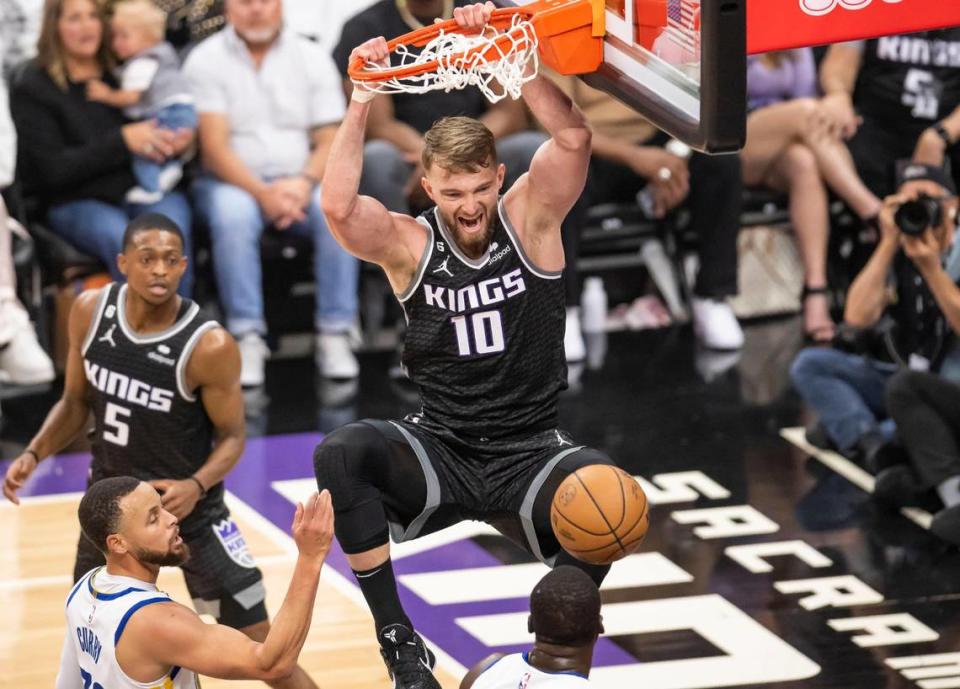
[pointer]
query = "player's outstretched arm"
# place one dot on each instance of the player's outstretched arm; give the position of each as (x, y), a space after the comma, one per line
(558, 170)
(69, 415)
(171, 634)
(213, 373)
(361, 224)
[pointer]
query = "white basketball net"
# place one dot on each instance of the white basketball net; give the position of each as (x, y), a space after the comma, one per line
(496, 77)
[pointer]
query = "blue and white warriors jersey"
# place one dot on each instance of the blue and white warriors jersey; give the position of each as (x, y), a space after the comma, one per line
(98, 609)
(514, 672)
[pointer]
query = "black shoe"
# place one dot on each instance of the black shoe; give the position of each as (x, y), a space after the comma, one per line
(898, 486)
(946, 524)
(867, 447)
(885, 455)
(817, 436)
(409, 661)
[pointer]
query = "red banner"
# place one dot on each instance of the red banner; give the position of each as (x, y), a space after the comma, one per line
(782, 24)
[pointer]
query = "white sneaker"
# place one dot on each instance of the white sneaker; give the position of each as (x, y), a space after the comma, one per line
(23, 361)
(142, 197)
(334, 356)
(170, 176)
(715, 324)
(573, 345)
(253, 355)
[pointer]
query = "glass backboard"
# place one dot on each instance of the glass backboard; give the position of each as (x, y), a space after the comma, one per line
(681, 64)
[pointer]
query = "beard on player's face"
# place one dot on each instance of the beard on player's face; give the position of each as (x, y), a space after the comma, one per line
(174, 556)
(472, 232)
(467, 203)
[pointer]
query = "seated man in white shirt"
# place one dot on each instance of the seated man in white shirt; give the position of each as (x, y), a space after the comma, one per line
(269, 103)
(566, 622)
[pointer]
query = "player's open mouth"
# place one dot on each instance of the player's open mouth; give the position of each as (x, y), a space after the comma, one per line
(474, 224)
(158, 288)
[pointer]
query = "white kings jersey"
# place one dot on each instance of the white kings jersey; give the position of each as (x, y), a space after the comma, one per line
(514, 672)
(98, 609)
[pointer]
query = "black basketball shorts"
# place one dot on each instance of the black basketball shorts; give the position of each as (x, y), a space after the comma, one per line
(508, 484)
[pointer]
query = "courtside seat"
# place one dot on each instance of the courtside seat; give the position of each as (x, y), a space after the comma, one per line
(762, 206)
(618, 235)
(60, 262)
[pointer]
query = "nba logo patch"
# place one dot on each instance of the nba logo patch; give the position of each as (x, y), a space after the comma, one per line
(233, 542)
(110, 311)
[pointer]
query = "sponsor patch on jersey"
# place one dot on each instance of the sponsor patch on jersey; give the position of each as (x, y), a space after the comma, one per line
(159, 358)
(228, 533)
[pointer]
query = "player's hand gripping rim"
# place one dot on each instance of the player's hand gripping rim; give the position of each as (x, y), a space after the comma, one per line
(375, 52)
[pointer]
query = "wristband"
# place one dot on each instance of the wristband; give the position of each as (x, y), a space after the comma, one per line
(363, 95)
(203, 491)
(943, 133)
(31, 451)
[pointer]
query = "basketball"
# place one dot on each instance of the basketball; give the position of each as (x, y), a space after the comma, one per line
(599, 514)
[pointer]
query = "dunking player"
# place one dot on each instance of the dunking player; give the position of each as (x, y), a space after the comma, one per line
(164, 388)
(123, 633)
(565, 621)
(479, 278)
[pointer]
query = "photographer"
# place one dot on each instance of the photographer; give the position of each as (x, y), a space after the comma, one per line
(926, 409)
(905, 308)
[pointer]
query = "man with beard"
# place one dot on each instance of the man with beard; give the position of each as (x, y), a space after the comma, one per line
(479, 277)
(124, 633)
(163, 385)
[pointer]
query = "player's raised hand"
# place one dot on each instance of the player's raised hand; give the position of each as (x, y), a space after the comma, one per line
(313, 525)
(17, 473)
(473, 18)
(177, 497)
(373, 51)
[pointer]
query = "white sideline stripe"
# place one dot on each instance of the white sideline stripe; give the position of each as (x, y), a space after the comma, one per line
(343, 585)
(298, 490)
(41, 500)
(516, 581)
(35, 583)
(850, 471)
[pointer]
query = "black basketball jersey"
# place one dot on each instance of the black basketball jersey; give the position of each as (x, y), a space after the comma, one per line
(484, 338)
(910, 81)
(147, 423)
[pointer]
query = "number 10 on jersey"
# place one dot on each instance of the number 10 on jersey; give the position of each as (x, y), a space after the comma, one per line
(479, 333)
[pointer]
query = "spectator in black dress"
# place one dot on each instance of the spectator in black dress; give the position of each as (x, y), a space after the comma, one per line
(75, 154)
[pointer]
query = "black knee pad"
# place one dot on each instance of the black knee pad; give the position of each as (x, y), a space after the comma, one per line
(596, 572)
(344, 463)
(341, 462)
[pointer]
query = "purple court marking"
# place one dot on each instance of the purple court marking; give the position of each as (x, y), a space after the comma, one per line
(288, 457)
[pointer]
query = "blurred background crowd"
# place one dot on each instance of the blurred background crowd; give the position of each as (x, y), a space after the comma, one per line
(220, 114)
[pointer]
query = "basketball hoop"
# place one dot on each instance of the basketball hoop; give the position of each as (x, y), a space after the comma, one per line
(566, 34)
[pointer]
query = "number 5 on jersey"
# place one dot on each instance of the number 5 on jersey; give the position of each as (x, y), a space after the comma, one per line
(116, 429)
(479, 333)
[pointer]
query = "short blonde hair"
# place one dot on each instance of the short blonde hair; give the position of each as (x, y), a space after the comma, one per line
(144, 14)
(459, 144)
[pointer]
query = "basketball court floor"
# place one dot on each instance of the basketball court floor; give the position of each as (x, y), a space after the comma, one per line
(763, 567)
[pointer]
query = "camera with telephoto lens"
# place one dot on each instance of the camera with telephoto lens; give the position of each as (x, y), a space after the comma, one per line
(914, 217)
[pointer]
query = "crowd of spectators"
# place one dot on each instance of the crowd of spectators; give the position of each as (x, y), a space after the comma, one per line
(108, 122)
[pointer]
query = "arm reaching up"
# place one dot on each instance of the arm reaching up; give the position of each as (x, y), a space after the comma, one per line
(170, 634)
(361, 224)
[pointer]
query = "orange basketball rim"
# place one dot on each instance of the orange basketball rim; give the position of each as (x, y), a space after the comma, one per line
(570, 35)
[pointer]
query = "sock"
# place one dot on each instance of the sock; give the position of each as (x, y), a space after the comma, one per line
(379, 588)
(949, 491)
